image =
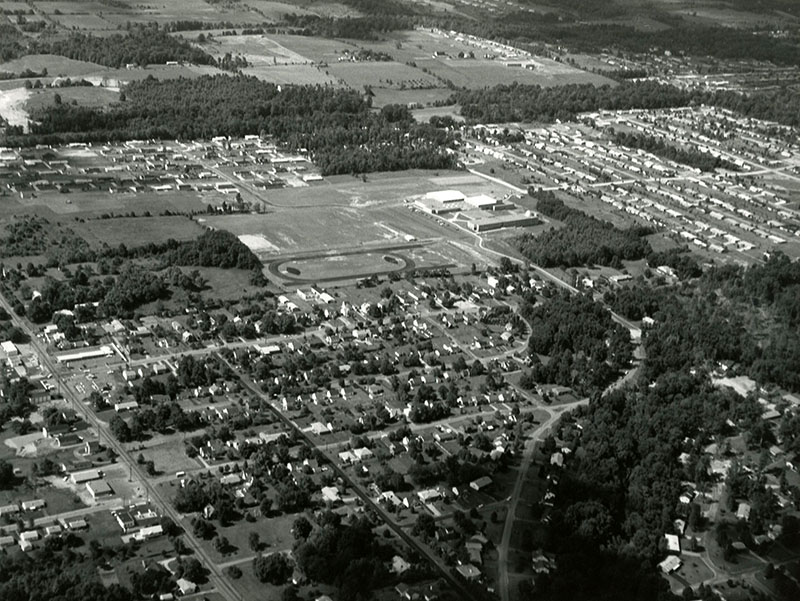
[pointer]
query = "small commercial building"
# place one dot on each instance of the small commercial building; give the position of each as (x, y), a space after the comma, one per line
(99, 489)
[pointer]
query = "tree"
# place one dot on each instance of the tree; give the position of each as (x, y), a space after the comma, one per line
(274, 569)
(120, 429)
(203, 528)
(425, 525)
(193, 570)
(221, 544)
(301, 528)
(6, 473)
(254, 541)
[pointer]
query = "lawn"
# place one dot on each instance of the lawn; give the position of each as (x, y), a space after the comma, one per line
(694, 571)
(275, 534)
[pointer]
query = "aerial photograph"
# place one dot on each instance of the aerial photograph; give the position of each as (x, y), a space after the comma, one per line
(400, 300)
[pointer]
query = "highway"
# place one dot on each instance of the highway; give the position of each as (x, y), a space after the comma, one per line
(216, 578)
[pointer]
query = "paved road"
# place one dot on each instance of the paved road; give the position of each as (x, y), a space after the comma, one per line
(222, 585)
(527, 459)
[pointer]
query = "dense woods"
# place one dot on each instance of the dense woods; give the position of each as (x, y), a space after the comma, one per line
(583, 240)
(335, 126)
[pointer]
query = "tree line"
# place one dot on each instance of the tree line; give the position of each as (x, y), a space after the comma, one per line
(525, 103)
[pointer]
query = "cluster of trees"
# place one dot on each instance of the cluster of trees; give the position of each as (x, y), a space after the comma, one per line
(584, 240)
(49, 574)
(657, 146)
(585, 347)
(162, 419)
(680, 260)
(619, 495)
(141, 46)
(348, 556)
(335, 126)
(15, 400)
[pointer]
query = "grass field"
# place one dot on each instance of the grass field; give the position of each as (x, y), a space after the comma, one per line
(90, 97)
(57, 66)
(137, 231)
